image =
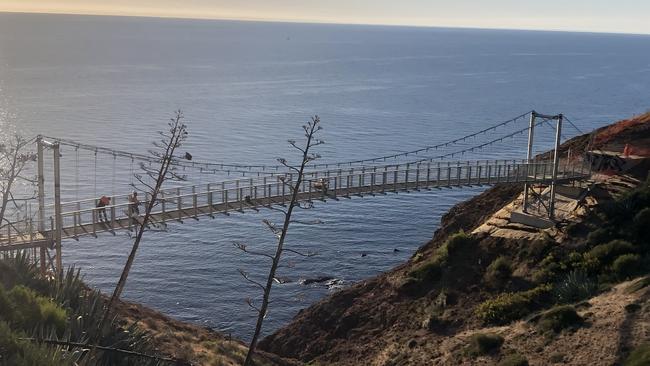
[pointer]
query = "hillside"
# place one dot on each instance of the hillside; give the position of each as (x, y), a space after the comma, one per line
(487, 291)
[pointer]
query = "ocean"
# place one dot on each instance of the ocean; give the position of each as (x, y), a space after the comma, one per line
(247, 87)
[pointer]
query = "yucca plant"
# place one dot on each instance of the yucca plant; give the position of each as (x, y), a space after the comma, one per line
(575, 286)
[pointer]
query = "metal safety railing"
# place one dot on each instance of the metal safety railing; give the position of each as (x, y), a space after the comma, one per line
(176, 204)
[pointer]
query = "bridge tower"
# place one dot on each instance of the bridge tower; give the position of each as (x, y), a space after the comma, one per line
(58, 217)
(556, 158)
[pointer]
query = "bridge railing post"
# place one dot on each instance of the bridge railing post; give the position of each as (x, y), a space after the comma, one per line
(449, 174)
(337, 183)
(395, 180)
(417, 177)
(310, 184)
(224, 195)
(406, 179)
(489, 173)
(240, 195)
(469, 174)
(179, 204)
(95, 219)
(195, 205)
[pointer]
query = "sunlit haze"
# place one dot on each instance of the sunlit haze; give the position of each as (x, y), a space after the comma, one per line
(623, 16)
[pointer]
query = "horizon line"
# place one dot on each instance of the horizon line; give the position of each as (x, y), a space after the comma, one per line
(321, 22)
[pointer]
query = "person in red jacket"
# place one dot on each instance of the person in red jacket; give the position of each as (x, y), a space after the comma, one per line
(101, 205)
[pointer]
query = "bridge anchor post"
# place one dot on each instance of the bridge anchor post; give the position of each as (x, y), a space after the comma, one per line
(529, 153)
(556, 164)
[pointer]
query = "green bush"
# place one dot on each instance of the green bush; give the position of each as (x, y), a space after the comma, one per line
(606, 253)
(627, 265)
(431, 269)
(499, 271)
(559, 318)
(640, 356)
(575, 286)
(484, 343)
(600, 236)
(28, 311)
(458, 241)
(15, 352)
(537, 249)
(512, 306)
(641, 223)
(514, 360)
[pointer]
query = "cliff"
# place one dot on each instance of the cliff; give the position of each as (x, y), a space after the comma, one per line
(487, 291)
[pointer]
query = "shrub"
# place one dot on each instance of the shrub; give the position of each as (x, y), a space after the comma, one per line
(514, 360)
(431, 269)
(428, 271)
(606, 253)
(537, 249)
(512, 306)
(559, 318)
(600, 236)
(640, 356)
(459, 240)
(575, 286)
(499, 271)
(23, 353)
(641, 223)
(30, 311)
(638, 285)
(484, 343)
(626, 265)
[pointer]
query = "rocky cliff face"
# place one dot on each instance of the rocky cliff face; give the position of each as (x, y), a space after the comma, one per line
(425, 311)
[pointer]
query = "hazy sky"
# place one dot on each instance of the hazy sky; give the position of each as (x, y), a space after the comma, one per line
(625, 16)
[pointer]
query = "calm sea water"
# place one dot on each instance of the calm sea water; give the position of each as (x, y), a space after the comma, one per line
(246, 88)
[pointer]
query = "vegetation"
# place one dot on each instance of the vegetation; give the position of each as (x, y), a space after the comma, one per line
(575, 286)
(166, 147)
(615, 249)
(640, 356)
(431, 269)
(45, 322)
(559, 318)
(498, 272)
(280, 232)
(514, 360)
(483, 343)
(512, 306)
(626, 265)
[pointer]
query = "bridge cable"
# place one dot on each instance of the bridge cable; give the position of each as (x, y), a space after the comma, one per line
(274, 169)
(95, 180)
(76, 175)
(479, 147)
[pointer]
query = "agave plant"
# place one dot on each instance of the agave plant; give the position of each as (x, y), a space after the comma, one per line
(80, 341)
(575, 286)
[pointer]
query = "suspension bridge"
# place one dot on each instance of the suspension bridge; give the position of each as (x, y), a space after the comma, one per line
(266, 186)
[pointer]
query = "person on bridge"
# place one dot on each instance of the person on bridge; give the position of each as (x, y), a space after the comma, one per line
(101, 205)
(134, 204)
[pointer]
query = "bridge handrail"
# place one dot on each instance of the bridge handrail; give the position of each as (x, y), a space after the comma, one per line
(315, 174)
(174, 195)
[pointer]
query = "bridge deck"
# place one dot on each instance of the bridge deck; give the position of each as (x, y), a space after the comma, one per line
(84, 221)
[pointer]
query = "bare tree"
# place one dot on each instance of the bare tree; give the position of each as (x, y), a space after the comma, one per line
(164, 151)
(311, 128)
(14, 160)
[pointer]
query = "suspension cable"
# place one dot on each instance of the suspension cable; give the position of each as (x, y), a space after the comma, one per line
(95, 181)
(272, 169)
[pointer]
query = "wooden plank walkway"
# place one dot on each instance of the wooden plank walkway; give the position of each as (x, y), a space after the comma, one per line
(246, 194)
